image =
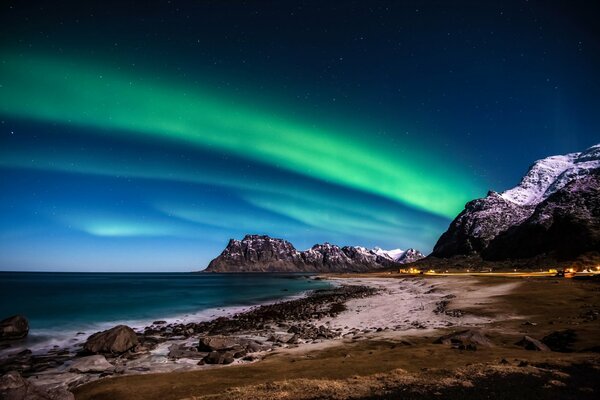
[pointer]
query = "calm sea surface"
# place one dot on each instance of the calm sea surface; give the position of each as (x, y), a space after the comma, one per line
(58, 305)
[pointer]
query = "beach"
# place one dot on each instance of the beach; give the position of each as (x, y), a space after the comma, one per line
(379, 359)
(359, 323)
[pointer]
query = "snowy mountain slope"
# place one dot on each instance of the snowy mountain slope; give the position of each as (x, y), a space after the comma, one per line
(391, 254)
(566, 224)
(548, 175)
(483, 220)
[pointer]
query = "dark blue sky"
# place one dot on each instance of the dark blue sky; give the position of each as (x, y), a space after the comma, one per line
(143, 138)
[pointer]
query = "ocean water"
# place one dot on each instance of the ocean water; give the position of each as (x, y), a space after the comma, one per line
(61, 305)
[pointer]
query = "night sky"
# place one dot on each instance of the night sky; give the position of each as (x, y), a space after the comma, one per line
(142, 138)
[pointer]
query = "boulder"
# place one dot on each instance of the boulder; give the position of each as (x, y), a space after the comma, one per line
(561, 340)
(216, 357)
(14, 387)
(181, 351)
(254, 347)
(294, 329)
(280, 337)
(221, 343)
(15, 327)
(465, 340)
(116, 340)
(96, 363)
(529, 343)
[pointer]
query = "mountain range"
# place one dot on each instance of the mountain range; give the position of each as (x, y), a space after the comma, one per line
(261, 253)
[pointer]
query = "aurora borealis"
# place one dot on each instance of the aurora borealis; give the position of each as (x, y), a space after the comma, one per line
(74, 93)
(148, 145)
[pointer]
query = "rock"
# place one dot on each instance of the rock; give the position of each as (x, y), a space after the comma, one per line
(15, 327)
(11, 381)
(14, 387)
(212, 358)
(465, 340)
(116, 340)
(221, 343)
(96, 363)
(228, 358)
(215, 357)
(280, 338)
(529, 343)
(181, 351)
(294, 340)
(60, 394)
(294, 329)
(240, 354)
(254, 347)
(159, 322)
(560, 341)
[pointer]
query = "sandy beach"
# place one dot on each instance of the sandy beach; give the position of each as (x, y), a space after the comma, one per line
(368, 325)
(374, 359)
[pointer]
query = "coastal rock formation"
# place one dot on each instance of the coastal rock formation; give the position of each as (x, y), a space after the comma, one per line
(96, 363)
(215, 357)
(555, 209)
(261, 253)
(221, 343)
(15, 327)
(14, 387)
(115, 340)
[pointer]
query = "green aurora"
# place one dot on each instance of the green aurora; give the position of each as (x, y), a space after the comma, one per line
(116, 103)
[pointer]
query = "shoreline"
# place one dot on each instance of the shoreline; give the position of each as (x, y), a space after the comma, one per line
(397, 307)
(167, 345)
(421, 364)
(371, 323)
(43, 340)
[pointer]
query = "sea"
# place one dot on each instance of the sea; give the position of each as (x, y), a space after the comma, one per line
(65, 308)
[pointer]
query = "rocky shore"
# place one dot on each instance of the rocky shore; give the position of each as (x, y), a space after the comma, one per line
(160, 347)
(419, 329)
(423, 337)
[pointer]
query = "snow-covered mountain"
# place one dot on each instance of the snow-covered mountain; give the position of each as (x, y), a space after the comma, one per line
(410, 255)
(555, 190)
(399, 255)
(548, 175)
(391, 254)
(261, 253)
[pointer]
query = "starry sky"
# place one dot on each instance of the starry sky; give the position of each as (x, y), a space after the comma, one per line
(143, 138)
